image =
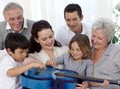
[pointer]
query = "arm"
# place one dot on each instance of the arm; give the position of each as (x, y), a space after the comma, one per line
(21, 69)
(58, 60)
(105, 83)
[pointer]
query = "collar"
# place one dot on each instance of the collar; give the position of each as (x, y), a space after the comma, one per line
(24, 26)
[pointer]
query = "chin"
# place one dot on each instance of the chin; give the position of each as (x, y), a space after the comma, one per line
(50, 48)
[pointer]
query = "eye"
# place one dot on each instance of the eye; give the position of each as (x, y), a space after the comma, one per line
(51, 36)
(75, 19)
(44, 39)
(20, 17)
(11, 19)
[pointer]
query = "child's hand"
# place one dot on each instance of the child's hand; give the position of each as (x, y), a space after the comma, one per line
(84, 85)
(28, 60)
(51, 63)
(39, 65)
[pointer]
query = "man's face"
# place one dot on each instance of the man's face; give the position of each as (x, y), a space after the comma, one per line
(15, 19)
(73, 21)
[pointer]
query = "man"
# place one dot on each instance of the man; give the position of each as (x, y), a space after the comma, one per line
(14, 22)
(73, 17)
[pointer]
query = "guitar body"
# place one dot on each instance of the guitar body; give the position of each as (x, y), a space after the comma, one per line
(46, 79)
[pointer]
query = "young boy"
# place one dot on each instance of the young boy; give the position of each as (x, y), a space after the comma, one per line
(11, 65)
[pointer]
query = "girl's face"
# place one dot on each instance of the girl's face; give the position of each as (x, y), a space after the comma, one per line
(46, 39)
(19, 54)
(76, 51)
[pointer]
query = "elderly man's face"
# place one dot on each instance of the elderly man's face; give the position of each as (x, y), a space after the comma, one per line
(15, 19)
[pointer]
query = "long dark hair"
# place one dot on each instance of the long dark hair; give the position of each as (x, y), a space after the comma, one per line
(37, 27)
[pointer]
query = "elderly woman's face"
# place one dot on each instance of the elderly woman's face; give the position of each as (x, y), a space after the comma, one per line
(99, 40)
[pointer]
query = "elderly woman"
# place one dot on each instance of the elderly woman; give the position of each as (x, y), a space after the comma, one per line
(105, 55)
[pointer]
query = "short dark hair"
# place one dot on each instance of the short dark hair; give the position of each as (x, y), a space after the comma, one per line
(73, 7)
(16, 40)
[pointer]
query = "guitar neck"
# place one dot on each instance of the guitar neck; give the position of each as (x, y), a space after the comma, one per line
(91, 79)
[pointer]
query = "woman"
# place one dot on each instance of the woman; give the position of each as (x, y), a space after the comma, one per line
(105, 55)
(43, 45)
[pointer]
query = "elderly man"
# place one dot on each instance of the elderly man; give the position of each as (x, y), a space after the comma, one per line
(14, 22)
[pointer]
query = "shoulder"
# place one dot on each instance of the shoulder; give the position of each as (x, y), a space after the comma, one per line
(30, 22)
(63, 28)
(114, 48)
(86, 26)
(63, 48)
(7, 59)
(3, 24)
(3, 53)
(88, 61)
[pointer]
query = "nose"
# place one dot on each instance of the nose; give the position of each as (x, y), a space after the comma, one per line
(94, 40)
(16, 21)
(71, 23)
(49, 40)
(74, 52)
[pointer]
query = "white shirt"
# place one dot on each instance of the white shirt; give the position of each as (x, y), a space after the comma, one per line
(2, 54)
(24, 26)
(7, 82)
(43, 56)
(64, 34)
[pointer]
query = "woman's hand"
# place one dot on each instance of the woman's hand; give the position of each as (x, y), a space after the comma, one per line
(84, 85)
(51, 63)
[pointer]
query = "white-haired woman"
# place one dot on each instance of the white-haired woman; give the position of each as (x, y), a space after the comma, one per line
(105, 55)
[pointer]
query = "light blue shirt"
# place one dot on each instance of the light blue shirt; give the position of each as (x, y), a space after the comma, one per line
(84, 68)
(108, 67)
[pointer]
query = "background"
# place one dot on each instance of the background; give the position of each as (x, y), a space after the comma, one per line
(52, 10)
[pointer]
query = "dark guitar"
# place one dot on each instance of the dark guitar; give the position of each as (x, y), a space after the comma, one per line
(91, 79)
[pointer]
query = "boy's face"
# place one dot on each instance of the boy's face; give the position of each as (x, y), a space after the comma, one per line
(19, 54)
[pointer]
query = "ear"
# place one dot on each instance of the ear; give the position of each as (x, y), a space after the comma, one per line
(81, 17)
(36, 40)
(9, 51)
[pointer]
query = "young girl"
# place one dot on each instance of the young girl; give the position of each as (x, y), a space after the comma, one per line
(79, 58)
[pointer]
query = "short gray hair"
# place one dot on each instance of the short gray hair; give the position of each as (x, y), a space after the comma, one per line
(106, 25)
(11, 6)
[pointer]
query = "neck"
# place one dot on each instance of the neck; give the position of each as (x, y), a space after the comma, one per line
(79, 29)
(97, 54)
(50, 53)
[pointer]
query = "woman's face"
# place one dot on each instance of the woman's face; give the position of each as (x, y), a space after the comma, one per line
(76, 51)
(99, 40)
(46, 39)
